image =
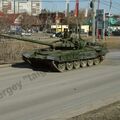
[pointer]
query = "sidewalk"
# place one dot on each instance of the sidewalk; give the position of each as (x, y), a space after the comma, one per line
(5, 65)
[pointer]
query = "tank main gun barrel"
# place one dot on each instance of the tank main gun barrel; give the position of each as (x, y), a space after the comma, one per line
(26, 39)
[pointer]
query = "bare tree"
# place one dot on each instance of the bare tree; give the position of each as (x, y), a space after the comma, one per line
(4, 23)
(29, 21)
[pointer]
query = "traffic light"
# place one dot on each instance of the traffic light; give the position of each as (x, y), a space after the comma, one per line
(91, 4)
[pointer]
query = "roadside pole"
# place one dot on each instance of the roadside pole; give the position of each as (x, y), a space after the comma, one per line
(67, 12)
(109, 18)
(56, 21)
(14, 6)
(93, 23)
(97, 30)
(77, 17)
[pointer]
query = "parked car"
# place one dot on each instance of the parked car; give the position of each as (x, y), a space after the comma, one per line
(13, 32)
(58, 34)
(116, 33)
(26, 33)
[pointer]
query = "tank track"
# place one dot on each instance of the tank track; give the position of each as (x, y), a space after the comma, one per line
(67, 66)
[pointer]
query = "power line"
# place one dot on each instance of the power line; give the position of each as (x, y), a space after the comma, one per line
(62, 1)
(114, 4)
(107, 4)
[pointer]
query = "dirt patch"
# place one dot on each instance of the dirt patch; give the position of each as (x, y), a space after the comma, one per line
(11, 50)
(110, 112)
(113, 42)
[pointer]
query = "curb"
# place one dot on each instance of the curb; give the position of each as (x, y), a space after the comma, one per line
(5, 65)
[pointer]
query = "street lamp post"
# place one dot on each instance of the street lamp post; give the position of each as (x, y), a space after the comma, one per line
(93, 23)
(109, 18)
(14, 6)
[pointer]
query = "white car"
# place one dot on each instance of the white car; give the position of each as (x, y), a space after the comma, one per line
(26, 34)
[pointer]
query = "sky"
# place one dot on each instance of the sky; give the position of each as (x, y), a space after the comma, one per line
(60, 5)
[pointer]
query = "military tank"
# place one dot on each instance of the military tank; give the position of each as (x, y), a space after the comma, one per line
(65, 54)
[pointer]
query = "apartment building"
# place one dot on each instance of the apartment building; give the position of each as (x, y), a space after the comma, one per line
(32, 7)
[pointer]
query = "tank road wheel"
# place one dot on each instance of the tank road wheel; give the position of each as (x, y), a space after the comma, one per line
(90, 62)
(102, 58)
(61, 67)
(83, 63)
(96, 61)
(76, 64)
(69, 65)
(58, 66)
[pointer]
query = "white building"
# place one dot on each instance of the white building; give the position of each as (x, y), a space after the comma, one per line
(5, 5)
(32, 7)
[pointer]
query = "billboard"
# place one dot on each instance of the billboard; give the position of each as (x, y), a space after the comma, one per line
(100, 18)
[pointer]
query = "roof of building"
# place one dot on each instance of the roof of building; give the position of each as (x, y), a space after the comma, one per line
(1, 14)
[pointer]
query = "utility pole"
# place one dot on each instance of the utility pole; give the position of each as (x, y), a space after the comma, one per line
(66, 13)
(67, 8)
(109, 18)
(93, 19)
(97, 30)
(77, 17)
(98, 4)
(57, 21)
(14, 6)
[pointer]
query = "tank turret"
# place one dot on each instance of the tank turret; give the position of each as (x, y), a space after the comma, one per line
(65, 54)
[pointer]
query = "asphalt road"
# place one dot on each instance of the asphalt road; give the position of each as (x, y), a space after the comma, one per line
(26, 94)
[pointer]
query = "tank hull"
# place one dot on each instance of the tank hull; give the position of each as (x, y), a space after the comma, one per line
(54, 58)
(64, 54)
